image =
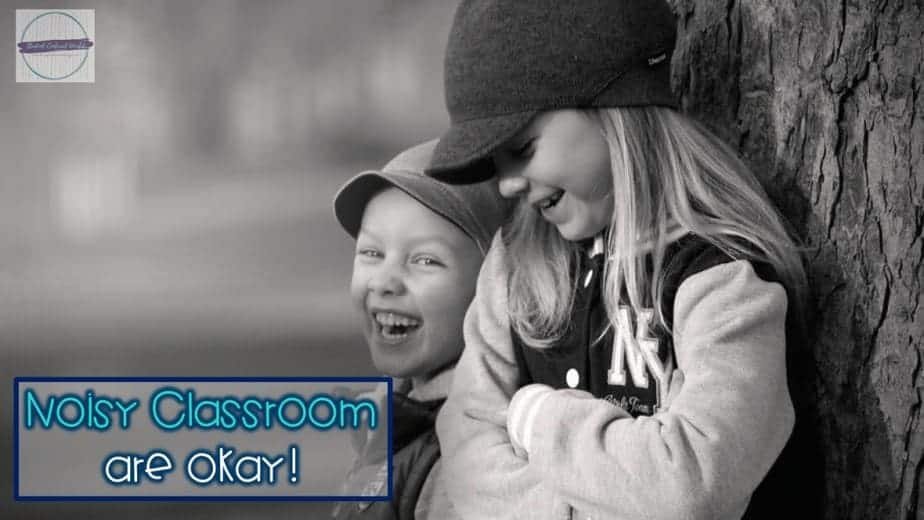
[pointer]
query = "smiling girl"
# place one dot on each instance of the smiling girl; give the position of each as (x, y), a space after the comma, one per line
(627, 349)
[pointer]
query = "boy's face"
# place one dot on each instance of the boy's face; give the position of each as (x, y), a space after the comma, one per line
(413, 277)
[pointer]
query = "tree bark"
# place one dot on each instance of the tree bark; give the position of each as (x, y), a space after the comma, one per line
(823, 100)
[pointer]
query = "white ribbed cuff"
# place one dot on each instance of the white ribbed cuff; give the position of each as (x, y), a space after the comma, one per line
(523, 411)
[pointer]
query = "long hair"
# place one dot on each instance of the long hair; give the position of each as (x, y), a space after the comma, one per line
(671, 174)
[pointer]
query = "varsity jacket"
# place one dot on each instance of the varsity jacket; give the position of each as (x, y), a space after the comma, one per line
(415, 459)
(610, 427)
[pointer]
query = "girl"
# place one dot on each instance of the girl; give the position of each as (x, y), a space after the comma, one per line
(626, 351)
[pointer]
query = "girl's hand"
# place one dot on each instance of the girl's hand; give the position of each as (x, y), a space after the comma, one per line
(500, 419)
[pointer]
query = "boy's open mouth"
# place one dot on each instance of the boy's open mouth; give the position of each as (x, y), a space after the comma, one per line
(394, 326)
(550, 201)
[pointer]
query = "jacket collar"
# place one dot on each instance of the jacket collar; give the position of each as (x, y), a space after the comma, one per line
(434, 388)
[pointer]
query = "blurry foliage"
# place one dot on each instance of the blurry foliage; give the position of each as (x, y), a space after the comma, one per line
(252, 86)
(195, 176)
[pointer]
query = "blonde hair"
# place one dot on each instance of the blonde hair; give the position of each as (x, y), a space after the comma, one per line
(670, 173)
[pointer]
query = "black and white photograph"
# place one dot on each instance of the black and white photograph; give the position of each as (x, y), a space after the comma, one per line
(468, 259)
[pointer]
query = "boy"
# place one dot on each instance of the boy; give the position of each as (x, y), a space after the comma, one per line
(419, 247)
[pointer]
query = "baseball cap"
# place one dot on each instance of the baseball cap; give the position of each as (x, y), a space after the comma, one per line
(508, 60)
(477, 209)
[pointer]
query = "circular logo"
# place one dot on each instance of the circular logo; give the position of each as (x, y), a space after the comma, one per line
(54, 45)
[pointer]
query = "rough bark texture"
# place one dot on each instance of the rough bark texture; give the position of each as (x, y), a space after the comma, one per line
(823, 99)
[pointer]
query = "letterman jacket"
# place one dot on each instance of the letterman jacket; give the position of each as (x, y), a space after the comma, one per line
(624, 435)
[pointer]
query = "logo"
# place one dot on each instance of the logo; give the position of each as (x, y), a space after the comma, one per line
(639, 353)
(55, 45)
(654, 60)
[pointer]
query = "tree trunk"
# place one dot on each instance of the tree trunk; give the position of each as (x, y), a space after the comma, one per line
(822, 98)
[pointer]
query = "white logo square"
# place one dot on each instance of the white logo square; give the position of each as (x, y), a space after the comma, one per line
(55, 45)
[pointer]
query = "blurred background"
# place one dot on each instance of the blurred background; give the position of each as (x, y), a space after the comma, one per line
(173, 218)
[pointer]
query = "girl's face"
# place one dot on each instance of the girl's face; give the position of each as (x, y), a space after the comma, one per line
(560, 165)
(413, 277)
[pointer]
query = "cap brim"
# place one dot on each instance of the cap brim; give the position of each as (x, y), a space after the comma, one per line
(463, 154)
(351, 199)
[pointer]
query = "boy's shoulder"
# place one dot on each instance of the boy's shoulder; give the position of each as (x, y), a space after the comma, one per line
(411, 465)
(413, 419)
(416, 450)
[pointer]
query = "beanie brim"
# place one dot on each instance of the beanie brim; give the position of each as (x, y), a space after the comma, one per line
(463, 154)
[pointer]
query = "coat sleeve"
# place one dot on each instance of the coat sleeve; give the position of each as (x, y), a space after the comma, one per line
(705, 454)
(484, 477)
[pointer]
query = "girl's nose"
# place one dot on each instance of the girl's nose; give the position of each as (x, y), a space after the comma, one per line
(386, 281)
(512, 186)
